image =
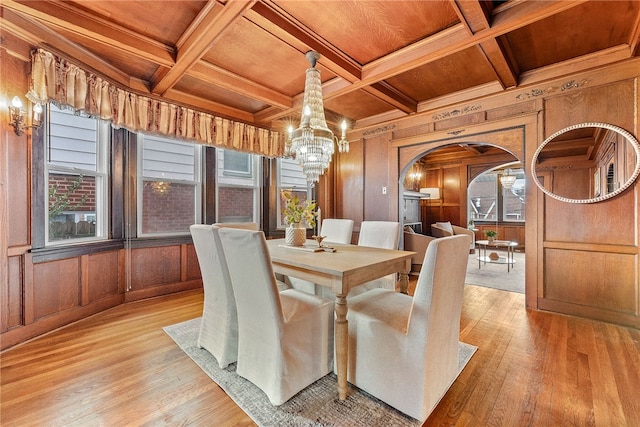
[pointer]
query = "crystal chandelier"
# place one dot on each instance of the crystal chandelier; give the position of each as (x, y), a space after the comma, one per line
(312, 143)
(507, 180)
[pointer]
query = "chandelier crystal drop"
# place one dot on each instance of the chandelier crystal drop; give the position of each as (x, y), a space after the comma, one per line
(312, 144)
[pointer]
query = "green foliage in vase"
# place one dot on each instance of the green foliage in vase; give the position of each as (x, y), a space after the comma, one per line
(298, 212)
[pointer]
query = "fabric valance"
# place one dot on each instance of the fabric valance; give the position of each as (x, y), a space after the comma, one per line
(54, 79)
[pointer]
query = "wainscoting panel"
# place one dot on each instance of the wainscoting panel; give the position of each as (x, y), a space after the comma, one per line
(155, 266)
(600, 280)
(12, 304)
(56, 287)
(192, 266)
(102, 274)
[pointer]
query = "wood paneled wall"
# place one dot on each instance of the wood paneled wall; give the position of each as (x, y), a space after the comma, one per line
(37, 296)
(580, 259)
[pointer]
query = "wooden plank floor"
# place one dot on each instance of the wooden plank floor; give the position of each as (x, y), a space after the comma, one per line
(119, 368)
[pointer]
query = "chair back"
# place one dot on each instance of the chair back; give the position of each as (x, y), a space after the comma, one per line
(437, 301)
(254, 284)
(337, 230)
(213, 267)
(219, 327)
(379, 234)
(241, 225)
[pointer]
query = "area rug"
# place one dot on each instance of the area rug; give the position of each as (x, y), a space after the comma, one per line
(495, 275)
(317, 405)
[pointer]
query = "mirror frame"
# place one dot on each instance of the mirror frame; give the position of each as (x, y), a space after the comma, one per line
(628, 136)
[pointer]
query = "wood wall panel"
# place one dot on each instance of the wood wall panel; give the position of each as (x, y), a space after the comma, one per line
(155, 266)
(350, 183)
(572, 183)
(376, 164)
(192, 267)
(612, 222)
(613, 103)
(56, 287)
(18, 181)
(597, 279)
(12, 305)
(103, 275)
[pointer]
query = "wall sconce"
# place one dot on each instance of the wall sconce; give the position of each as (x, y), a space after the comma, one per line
(18, 116)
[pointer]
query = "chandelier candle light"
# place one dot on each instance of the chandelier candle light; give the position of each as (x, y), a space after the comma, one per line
(312, 144)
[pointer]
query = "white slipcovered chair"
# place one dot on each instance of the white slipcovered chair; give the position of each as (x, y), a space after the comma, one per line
(250, 226)
(219, 326)
(378, 234)
(337, 230)
(402, 349)
(285, 339)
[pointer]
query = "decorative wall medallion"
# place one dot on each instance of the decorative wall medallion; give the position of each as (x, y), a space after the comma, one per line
(382, 129)
(457, 112)
(573, 84)
(533, 93)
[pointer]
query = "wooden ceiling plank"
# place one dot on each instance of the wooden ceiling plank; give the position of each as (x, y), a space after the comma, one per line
(392, 96)
(65, 16)
(575, 65)
(217, 76)
(269, 18)
(456, 39)
(206, 30)
(42, 35)
(634, 38)
(476, 18)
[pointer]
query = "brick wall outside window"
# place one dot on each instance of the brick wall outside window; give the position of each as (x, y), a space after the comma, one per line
(167, 207)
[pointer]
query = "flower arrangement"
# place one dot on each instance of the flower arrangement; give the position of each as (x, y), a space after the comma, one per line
(298, 212)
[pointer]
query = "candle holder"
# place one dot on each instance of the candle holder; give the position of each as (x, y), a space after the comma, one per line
(319, 239)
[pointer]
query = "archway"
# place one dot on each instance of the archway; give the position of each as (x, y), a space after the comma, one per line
(450, 165)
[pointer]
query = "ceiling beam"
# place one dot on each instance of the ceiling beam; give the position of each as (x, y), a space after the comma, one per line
(79, 22)
(274, 20)
(208, 27)
(220, 77)
(40, 34)
(392, 96)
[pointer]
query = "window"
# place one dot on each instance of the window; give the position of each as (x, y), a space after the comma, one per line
(169, 197)
(238, 195)
(513, 198)
(291, 179)
(489, 201)
(76, 175)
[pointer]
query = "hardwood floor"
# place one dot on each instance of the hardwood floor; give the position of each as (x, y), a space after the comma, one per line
(119, 368)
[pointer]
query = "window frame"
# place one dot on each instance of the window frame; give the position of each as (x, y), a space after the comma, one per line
(101, 176)
(499, 197)
(234, 179)
(141, 179)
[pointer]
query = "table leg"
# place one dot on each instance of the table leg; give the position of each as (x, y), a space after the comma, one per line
(403, 283)
(342, 344)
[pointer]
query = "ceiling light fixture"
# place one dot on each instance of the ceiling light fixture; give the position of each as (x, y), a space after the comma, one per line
(507, 180)
(312, 143)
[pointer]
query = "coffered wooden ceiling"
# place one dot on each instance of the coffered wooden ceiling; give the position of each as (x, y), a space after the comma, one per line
(381, 60)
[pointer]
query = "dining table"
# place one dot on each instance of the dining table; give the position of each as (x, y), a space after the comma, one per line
(340, 267)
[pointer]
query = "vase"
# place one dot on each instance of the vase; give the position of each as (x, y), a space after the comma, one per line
(295, 235)
(491, 238)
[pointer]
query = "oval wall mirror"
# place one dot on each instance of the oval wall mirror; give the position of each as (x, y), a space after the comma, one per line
(586, 163)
